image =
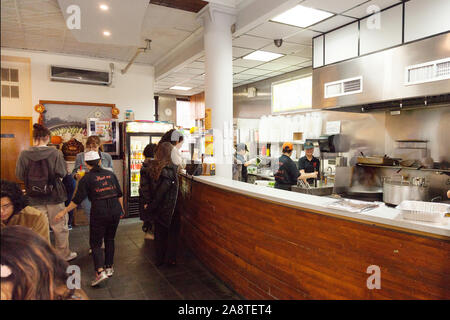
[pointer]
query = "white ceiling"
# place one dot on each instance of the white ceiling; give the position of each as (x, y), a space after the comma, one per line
(297, 46)
(93, 21)
(40, 25)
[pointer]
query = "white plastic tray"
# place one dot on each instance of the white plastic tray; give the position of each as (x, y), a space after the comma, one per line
(423, 211)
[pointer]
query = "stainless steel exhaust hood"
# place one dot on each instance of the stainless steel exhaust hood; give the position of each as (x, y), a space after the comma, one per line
(407, 75)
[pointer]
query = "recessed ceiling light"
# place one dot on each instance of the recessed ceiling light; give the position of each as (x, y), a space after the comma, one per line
(262, 56)
(106, 33)
(104, 7)
(301, 16)
(180, 88)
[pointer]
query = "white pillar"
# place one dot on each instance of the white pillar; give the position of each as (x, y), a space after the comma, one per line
(217, 21)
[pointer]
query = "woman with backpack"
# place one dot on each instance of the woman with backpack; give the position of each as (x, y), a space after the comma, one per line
(103, 190)
(163, 173)
(42, 169)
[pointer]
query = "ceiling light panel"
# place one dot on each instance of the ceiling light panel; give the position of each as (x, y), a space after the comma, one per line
(333, 6)
(301, 16)
(263, 56)
(180, 88)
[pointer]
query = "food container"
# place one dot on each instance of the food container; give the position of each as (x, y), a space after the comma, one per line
(377, 160)
(395, 191)
(424, 211)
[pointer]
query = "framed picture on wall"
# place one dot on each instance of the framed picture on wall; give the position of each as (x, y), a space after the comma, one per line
(68, 119)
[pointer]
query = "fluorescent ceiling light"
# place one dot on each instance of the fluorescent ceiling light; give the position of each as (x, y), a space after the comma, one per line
(301, 16)
(262, 56)
(180, 88)
(104, 7)
(106, 33)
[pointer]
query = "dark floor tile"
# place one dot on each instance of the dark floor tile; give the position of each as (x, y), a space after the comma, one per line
(134, 296)
(136, 276)
(123, 288)
(97, 293)
(201, 295)
(167, 294)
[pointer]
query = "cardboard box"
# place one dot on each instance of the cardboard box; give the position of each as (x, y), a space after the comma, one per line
(297, 136)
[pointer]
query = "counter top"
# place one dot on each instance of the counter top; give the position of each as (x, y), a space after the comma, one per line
(383, 215)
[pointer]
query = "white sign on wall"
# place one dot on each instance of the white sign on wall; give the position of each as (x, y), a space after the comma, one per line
(333, 127)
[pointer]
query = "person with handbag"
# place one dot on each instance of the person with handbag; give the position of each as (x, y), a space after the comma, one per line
(42, 168)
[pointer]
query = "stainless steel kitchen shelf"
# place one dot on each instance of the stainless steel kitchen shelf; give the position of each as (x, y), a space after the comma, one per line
(403, 168)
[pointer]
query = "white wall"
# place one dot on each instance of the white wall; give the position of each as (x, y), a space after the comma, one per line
(133, 90)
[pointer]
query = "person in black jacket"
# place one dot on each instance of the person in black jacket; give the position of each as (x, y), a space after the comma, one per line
(145, 192)
(164, 180)
(287, 174)
(103, 190)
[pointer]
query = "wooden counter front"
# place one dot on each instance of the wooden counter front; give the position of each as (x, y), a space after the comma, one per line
(265, 250)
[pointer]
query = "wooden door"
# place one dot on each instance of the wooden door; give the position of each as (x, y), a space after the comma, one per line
(15, 137)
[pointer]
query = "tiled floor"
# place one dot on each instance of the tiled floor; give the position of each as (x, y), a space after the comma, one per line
(136, 277)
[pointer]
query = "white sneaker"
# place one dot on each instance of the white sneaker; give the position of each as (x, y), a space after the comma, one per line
(109, 272)
(99, 278)
(71, 256)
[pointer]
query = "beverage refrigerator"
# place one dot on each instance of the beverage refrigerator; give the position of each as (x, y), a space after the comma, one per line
(136, 135)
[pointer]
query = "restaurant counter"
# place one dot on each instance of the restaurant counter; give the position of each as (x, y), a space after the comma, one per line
(273, 244)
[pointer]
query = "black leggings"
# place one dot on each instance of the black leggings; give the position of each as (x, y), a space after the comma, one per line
(166, 240)
(105, 218)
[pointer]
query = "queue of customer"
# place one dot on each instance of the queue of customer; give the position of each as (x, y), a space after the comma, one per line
(41, 208)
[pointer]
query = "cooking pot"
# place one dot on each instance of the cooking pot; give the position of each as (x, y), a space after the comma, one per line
(395, 190)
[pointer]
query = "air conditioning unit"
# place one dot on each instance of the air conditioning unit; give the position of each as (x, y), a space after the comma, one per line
(75, 75)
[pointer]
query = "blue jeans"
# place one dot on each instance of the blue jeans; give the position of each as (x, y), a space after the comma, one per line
(86, 205)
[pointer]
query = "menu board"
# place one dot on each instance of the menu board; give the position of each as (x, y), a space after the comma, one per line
(292, 95)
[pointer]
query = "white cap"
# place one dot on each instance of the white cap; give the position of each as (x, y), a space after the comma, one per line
(91, 155)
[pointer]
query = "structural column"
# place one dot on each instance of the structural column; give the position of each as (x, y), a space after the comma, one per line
(217, 21)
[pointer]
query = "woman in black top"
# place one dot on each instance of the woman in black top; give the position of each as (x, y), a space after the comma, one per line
(164, 180)
(103, 190)
(287, 174)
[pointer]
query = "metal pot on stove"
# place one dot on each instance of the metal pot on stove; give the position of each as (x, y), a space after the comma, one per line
(396, 189)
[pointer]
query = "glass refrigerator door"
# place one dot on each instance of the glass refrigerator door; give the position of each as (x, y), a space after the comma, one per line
(137, 146)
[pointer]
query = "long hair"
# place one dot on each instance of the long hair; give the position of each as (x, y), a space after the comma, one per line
(37, 271)
(94, 141)
(12, 191)
(163, 158)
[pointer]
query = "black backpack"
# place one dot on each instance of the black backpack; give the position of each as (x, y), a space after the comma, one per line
(39, 181)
